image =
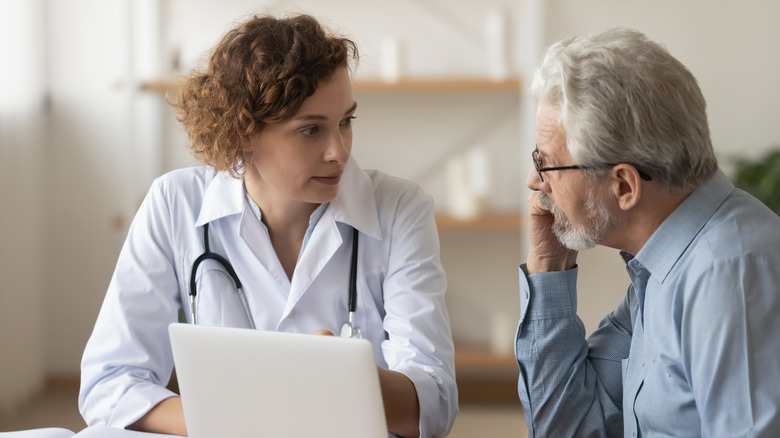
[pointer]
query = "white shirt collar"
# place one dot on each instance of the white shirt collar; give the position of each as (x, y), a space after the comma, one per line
(354, 205)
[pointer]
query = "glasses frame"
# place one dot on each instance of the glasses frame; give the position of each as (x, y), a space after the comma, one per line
(540, 169)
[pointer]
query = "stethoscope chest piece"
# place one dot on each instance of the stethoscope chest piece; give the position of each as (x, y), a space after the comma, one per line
(350, 331)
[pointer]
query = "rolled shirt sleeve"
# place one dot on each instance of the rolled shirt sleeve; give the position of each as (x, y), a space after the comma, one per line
(559, 378)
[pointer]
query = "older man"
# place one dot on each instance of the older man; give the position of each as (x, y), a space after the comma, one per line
(623, 159)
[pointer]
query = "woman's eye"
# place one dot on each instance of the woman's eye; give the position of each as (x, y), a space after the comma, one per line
(309, 131)
(347, 121)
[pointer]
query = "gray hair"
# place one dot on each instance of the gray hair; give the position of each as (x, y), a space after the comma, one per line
(625, 99)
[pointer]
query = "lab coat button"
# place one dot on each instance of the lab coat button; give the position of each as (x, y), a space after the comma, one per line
(292, 313)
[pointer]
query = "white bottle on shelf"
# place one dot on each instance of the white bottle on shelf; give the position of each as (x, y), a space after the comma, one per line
(392, 59)
(496, 44)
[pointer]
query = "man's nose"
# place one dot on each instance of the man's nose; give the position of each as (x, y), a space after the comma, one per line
(534, 182)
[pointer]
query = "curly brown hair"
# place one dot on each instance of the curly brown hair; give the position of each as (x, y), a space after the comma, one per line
(260, 73)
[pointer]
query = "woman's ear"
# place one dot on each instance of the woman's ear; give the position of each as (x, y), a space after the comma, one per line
(626, 186)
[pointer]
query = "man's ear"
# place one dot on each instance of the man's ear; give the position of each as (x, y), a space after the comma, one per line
(626, 186)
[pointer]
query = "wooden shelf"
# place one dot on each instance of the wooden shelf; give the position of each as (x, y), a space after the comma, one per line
(431, 85)
(473, 358)
(160, 85)
(488, 222)
(437, 85)
(486, 377)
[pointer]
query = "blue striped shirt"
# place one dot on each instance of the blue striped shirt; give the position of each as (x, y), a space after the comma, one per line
(693, 349)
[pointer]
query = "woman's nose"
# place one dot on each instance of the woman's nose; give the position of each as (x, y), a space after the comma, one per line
(338, 149)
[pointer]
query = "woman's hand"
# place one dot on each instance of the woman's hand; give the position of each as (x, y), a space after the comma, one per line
(323, 332)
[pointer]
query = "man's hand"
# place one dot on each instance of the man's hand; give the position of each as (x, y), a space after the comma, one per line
(545, 251)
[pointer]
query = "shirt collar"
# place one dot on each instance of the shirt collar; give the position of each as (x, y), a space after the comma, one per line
(667, 244)
(224, 196)
(354, 205)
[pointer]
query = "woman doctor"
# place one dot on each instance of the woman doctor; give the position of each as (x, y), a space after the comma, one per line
(271, 117)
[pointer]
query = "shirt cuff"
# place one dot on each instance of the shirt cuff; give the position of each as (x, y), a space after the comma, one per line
(547, 295)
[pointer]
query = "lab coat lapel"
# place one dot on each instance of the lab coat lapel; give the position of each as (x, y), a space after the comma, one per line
(355, 206)
(325, 240)
(224, 197)
(259, 243)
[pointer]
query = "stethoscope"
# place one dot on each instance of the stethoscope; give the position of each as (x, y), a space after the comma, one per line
(349, 329)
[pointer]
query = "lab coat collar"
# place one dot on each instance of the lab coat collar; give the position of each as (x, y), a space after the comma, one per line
(224, 196)
(354, 205)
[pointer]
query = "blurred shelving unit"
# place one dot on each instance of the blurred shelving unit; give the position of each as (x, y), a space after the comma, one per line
(484, 222)
(427, 85)
(486, 376)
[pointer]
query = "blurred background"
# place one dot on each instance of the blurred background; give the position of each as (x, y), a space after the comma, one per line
(84, 129)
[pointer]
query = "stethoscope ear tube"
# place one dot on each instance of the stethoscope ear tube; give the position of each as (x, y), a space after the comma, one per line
(208, 255)
(351, 329)
(352, 305)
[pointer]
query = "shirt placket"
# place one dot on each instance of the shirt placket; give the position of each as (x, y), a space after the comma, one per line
(635, 371)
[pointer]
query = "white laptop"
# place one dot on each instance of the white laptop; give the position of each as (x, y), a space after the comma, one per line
(250, 383)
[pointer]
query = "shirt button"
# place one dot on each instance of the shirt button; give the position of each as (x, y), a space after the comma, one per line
(293, 313)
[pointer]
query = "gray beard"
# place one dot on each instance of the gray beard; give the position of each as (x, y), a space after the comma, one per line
(580, 239)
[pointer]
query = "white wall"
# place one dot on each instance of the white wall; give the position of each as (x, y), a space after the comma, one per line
(96, 165)
(90, 166)
(22, 189)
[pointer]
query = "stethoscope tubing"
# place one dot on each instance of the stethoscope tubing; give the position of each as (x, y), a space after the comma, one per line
(208, 255)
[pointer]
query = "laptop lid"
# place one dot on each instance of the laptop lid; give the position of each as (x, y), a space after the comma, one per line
(241, 382)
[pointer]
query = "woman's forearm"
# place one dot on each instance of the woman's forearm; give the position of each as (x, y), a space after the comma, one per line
(402, 408)
(167, 417)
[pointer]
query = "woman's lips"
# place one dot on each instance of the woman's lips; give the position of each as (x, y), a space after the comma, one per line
(328, 180)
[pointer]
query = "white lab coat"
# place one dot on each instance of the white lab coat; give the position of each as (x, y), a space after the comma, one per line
(400, 282)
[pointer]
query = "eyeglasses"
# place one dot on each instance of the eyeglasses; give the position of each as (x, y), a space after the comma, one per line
(540, 169)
